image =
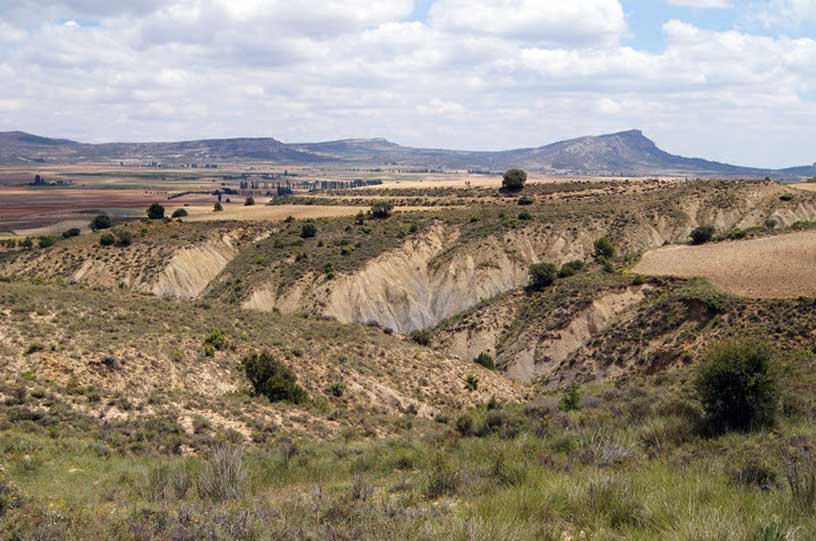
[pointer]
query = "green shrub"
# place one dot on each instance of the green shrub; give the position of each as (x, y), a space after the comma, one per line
(738, 386)
(217, 207)
(485, 360)
(216, 339)
(571, 401)
(571, 268)
(525, 200)
(155, 212)
(107, 239)
(422, 337)
(308, 231)
(46, 241)
(270, 378)
(542, 275)
(472, 382)
(702, 234)
(514, 180)
(179, 213)
(786, 197)
(381, 209)
(336, 389)
(525, 216)
(249, 201)
(73, 232)
(101, 221)
(604, 248)
(26, 243)
(124, 238)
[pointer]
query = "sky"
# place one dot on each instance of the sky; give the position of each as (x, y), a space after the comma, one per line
(730, 80)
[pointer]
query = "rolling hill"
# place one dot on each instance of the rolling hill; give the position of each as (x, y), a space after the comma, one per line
(623, 153)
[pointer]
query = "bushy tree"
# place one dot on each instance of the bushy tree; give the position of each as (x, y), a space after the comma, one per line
(155, 212)
(179, 213)
(101, 221)
(124, 238)
(46, 241)
(249, 201)
(514, 180)
(308, 231)
(381, 209)
(73, 232)
(542, 275)
(107, 239)
(738, 385)
(702, 234)
(272, 379)
(604, 248)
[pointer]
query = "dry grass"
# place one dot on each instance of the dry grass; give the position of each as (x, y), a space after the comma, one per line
(773, 267)
(261, 212)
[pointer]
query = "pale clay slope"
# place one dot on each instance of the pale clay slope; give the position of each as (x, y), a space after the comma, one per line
(782, 266)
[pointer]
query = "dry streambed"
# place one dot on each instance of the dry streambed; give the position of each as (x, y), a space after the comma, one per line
(782, 266)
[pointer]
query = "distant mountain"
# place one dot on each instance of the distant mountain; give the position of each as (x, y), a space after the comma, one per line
(623, 153)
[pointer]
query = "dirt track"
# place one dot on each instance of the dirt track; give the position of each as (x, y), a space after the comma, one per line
(782, 266)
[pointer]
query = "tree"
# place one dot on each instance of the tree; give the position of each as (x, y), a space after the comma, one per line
(604, 248)
(155, 212)
(381, 209)
(514, 180)
(179, 213)
(124, 238)
(101, 221)
(738, 386)
(702, 234)
(272, 379)
(46, 242)
(73, 232)
(542, 275)
(107, 239)
(217, 207)
(249, 201)
(308, 231)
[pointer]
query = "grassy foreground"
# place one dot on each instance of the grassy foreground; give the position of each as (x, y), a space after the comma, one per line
(633, 462)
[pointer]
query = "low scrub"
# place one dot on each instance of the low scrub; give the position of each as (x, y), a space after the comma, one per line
(272, 379)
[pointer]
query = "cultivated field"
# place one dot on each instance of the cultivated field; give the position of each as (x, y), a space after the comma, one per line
(773, 267)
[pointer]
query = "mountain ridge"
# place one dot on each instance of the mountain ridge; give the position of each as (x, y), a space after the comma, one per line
(627, 152)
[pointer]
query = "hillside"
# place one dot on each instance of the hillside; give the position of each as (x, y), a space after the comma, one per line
(624, 153)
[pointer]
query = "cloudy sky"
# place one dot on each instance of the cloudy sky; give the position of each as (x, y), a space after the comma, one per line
(733, 80)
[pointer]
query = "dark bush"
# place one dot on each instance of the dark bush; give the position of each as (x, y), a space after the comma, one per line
(272, 379)
(604, 248)
(525, 200)
(381, 209)
(46, 241)
(124, 238)
(542, 275)
(702, 234)
(73, 232)
(249, 201)
(101, 221)
(179, 213)
(308, 231)
(107, 239)
(485, 360)
(155, 212)
(786, 197)
(738, 385)
(571, 401)
(525, 216)
(217, 207)
(421, 337)
(514, 180)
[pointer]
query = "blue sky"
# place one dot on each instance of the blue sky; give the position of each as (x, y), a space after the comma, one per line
(734, 84)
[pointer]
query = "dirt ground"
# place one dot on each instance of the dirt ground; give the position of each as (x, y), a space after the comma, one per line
(772, 267)
(261, 212)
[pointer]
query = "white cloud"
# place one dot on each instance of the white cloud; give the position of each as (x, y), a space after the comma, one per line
(210, 68)
(704, 4)
(792, 13)
(577, 22)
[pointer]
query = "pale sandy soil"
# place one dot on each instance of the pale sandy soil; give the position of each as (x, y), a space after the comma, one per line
(806, 186)
(782, 266)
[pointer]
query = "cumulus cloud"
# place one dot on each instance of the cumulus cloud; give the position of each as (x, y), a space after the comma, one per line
(573, 23)
(704, 4)
(482, 75)
(793, 13)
